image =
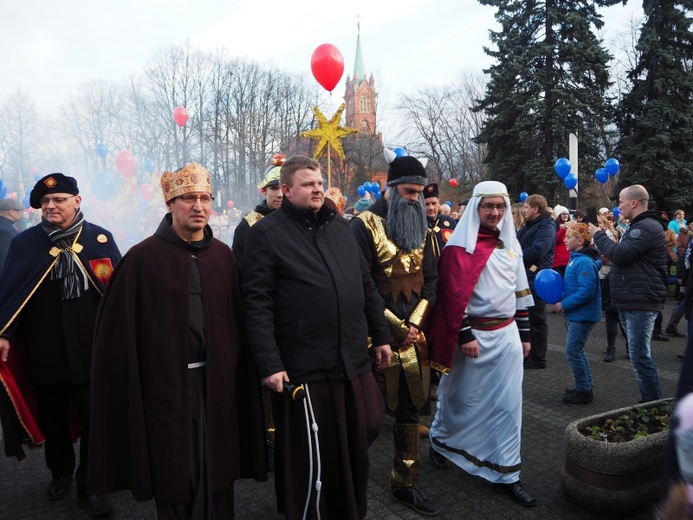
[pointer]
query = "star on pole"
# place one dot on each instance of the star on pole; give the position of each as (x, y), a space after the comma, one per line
(329, 132)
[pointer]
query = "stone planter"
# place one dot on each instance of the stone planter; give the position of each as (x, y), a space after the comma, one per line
(613, 478)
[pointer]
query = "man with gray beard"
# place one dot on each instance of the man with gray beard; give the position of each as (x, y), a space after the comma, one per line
(392, 235)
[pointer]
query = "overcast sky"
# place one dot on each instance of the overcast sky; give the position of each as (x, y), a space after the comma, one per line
(50, 47)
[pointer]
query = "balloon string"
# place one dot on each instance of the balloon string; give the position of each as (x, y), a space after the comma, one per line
(329, 152)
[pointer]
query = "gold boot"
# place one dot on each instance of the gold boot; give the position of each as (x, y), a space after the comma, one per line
(405, 467)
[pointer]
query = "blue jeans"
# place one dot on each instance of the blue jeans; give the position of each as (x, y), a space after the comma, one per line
(577, 334)
(638, 326)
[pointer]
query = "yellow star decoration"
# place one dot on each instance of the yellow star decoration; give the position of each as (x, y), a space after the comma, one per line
(329, 132)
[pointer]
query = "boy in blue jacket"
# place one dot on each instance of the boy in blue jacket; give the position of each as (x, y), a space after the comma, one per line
(582, 304)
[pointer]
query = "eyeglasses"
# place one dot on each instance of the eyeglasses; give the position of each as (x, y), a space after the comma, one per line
(491, 207)
(55, 200)
(192, 199)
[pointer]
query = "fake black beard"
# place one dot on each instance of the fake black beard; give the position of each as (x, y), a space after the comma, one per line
(406, 223)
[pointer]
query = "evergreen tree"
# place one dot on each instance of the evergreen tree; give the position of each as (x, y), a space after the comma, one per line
(550, 79)
(656, 117)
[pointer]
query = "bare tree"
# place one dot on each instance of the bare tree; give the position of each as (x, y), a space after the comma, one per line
(439, 123)
(20, 138)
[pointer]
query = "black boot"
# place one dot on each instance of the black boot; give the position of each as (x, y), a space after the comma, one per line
(412, 497)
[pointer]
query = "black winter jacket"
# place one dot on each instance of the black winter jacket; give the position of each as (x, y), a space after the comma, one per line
(238, 244)
(639, 275)
(538, 240)
(308, 297)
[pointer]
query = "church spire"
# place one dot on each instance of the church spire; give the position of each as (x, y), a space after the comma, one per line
(359, 67)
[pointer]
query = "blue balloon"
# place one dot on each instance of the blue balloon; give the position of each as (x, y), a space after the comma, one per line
(601, 175)
(38, 175)
(448, 203)
(570, 181)
(101, 150)
(149, 165)
(523, 196)
(400, 152)
(376, 195)
(25, 201)
(3, 191)
(612, 166)
(361, 190)
(102, 186)
(375, 187)
(616, 212)
(367, 186)
(562, 167)
(549, 285)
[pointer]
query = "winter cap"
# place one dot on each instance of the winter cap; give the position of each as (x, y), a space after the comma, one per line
(431, 190)
(362, 205)
(52, 183)
(558, 210)
(9, 203)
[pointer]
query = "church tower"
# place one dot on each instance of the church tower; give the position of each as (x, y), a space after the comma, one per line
(360, 96)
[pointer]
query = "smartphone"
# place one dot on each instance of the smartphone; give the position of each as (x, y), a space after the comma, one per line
(592, 216)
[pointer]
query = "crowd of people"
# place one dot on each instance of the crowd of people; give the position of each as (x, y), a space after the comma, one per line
(186, 364)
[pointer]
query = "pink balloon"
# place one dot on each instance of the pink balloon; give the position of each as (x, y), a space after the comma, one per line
(230, 204)
(125, 163)
(13, 195)
(327, 65)
(147, 191)
(180, 116)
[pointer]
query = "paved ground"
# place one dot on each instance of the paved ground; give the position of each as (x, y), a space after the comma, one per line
(22, 486)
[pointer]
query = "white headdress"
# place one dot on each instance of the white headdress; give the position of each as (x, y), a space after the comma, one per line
(467, 229)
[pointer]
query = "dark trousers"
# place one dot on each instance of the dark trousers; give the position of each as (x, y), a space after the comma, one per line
(538, 333)
(407, 412)
(53, 401)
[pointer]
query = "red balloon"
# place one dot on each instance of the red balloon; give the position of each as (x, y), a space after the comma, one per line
(230, 204)
(125, 163)
(147, 191)
(180, 116)
(454, 183)
(327, 64)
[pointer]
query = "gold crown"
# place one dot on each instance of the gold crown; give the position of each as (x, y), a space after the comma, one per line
(192, 178)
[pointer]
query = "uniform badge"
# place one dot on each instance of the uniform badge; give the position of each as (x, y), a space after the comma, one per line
(50, 182)
(446, 223)
(101, 238)
(102, 268)
(446, 233)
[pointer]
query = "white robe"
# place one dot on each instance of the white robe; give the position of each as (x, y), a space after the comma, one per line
(479, 419)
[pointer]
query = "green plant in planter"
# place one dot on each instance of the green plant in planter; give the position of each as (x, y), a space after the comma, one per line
(634, 424)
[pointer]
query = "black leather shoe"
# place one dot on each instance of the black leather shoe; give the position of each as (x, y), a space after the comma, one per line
(412, 497)
(658, 335)
(531, 365)
(674, 332)
(59, 487)
(98, 505)
(576, 397)
(438, 461)
(518, 494)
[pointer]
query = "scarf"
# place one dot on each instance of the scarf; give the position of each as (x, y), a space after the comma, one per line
(67, 267)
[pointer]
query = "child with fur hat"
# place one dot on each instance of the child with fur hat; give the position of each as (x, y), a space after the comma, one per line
(582, 304)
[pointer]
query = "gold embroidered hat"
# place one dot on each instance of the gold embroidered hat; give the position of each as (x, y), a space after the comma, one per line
(190, 179)
(579, 230)
(272, 173)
